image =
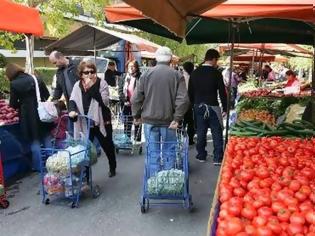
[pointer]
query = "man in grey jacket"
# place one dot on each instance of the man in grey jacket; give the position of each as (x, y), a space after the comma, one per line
(160, 102)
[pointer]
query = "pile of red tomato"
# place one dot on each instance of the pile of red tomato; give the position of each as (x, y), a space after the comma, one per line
(267, 187)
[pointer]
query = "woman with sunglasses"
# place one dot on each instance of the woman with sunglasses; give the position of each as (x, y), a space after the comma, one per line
(90, 97)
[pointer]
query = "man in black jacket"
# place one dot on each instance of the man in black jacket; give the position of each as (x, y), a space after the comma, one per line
(66, 75)
(204, 84)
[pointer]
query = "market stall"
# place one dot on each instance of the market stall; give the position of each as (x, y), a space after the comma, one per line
(15, 152)
(266, 180)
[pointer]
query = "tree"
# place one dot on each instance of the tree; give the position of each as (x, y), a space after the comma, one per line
(58, 16)
(179, 49)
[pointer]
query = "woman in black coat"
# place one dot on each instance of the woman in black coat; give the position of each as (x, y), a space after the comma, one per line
(127, 86)
(23, 98)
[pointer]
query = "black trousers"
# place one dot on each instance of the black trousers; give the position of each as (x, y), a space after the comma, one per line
(190, 124)
(106, 143)
(128, 122)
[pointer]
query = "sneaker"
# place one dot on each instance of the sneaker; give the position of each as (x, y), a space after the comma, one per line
(201, 160)
(217, 163)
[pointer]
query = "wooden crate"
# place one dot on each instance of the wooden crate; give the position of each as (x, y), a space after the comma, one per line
(215, 207)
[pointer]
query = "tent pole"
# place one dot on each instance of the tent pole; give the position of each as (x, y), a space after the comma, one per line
(253, 61)
(313, 71)
(94, 44)
(232, 40)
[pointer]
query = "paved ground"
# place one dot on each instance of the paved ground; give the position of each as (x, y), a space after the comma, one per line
(116, 212)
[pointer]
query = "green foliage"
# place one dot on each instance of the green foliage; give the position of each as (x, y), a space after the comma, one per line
(58, 16)
(300, 63)
(3, 61)
(7, 40)
(4, 85)
(179, 49)
(277, 106)
(46, 74)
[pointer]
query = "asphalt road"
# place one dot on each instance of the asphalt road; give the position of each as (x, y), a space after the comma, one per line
(116, 212)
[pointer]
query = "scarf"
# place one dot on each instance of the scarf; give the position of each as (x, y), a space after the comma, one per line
(94, 113)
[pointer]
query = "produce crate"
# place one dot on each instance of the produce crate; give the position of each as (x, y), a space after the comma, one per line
(215, 207)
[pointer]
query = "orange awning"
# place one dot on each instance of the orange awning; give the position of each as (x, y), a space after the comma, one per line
(282, 9)
(302, 10)
(291, 48)
(171, 14)
(20, 19)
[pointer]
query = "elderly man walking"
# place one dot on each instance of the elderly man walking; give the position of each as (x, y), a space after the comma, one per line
(160, 102)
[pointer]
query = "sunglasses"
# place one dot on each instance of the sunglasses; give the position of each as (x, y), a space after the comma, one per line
(92, 72)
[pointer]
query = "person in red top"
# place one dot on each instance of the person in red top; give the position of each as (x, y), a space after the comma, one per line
(293, 84)
(126, 90)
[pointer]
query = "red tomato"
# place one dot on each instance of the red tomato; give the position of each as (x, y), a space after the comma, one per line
(275, 227)
(249, 212)
(276, 186)
(265, 212)
(310, 217)
(294, 229)
(277, 206)
(291, 201)
(258, 203)
(264, 231)
(235, 210)
(294, 185)
(225, 196)
(262, 172)
(247, 175)
(297, 218)
(306, 206)
(242, 234)
(234, 225)
(300, 196)
(250, 229)
(224, 214)
(283, 215)
(239, 192)
(306, 190)
(259, 221)
(293, 208)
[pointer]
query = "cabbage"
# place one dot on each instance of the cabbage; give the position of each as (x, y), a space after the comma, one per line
(59, 162)
(167, 182)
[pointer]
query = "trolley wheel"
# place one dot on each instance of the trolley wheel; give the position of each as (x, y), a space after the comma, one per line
(143, 210)
(117, 150)
(140, 150)
(144, 205)
(4, 204)
(190, 204)
(47, 201)
(73, 205)
(96, 191)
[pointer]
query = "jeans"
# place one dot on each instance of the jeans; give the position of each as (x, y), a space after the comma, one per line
(161, 148)
(203, 124)
(36, 151)
(128, 120)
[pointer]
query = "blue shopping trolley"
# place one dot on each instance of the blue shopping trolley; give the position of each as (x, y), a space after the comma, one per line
(66, 167)
(166, 173)
(126, 135)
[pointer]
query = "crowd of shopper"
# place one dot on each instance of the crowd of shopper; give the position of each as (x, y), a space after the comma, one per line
(161, 99)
